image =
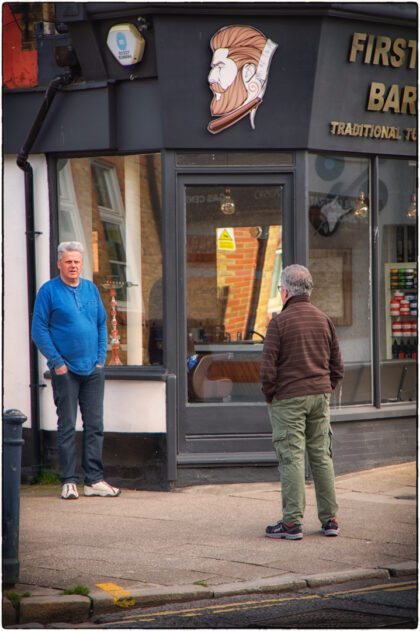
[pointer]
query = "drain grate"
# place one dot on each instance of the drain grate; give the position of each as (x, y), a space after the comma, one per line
(330, 618)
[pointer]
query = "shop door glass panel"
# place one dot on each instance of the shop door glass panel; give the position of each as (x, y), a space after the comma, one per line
(233, 265)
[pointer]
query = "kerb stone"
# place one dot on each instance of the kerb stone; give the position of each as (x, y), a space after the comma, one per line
(63, 608)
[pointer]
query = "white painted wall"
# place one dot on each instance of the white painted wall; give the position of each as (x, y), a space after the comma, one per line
(130, 406)
(15, 311)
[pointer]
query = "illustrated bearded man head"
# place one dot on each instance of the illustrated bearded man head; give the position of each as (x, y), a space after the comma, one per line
(238, 75)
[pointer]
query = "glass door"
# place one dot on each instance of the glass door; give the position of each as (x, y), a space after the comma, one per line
(233, 257)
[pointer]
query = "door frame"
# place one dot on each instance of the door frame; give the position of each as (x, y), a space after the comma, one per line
(206, 445)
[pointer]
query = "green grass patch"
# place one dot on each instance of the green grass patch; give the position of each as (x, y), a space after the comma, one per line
(14, 599)
(202, 583)
(81, 590)
(46, 476)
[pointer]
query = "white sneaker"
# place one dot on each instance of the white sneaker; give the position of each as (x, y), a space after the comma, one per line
(69, 491)
(102, 488)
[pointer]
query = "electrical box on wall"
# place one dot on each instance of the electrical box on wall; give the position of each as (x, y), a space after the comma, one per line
(126, 43)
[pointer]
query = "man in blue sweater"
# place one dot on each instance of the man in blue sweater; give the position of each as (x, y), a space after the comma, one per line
(69, 328)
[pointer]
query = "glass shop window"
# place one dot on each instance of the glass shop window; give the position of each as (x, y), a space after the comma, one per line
(339, 260)
(112, 205)
(398, 281)
(234, 260)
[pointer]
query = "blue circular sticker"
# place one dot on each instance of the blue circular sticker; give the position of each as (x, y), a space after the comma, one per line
(121, 41)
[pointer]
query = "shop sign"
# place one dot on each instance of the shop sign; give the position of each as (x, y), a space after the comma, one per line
(239, 74)
(380, 50)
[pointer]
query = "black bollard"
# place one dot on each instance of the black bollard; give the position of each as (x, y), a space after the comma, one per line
(12, 458)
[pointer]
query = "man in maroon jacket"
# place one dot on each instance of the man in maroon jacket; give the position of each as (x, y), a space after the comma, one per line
(301, 365)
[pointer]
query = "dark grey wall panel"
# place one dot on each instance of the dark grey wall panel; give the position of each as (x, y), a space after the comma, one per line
(77, 120)
(361, 445)
(139, 116)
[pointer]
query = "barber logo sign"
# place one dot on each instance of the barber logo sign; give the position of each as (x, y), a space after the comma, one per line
(238, 75)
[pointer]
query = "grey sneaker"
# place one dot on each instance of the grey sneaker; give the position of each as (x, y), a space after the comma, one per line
(101, 489)
(284, 531)
(69, 491)
(331, 529)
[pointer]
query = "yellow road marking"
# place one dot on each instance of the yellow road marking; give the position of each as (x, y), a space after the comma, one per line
(401, 589)
(385, 586)
(122, 597)
(258, 604)
(255, 604)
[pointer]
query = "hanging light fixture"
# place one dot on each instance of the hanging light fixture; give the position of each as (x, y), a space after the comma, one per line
(412, 209)
(227, 205)
(361, 208)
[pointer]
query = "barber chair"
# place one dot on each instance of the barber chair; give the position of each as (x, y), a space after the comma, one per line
(200, 386)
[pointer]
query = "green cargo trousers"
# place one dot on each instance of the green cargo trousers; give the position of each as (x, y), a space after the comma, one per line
(298, 423)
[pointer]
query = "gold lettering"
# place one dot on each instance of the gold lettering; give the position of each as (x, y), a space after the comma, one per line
(393, 99)
(369, 49)
(357, 45)
(409, 99)
(398, 58)
(382, 48)
(413, 57)
(376, 96)
(385, 132)
(410, 134)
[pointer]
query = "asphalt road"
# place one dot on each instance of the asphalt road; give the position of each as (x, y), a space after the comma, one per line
(363, 605)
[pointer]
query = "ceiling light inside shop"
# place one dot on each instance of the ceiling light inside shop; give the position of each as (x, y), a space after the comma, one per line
(227, 205)
(361, 208)
(412, 209)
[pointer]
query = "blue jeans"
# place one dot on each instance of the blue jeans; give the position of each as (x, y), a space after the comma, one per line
(88, 391)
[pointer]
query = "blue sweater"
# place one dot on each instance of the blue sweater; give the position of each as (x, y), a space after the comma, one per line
(69, 325)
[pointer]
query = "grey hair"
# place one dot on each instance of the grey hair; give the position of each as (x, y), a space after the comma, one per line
(69, 246)
(297, 280)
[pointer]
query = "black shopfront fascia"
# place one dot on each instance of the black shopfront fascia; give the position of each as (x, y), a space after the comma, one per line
(164, 108)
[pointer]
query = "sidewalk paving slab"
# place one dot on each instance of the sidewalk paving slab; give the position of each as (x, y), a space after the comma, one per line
(204, 542)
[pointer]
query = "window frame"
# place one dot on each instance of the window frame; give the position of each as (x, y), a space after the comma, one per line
(375, 274)
(138, 372)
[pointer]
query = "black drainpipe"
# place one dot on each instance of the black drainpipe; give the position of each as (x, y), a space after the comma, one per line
(22, 162)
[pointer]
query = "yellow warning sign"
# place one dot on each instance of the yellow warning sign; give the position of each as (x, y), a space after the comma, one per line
(226, 239)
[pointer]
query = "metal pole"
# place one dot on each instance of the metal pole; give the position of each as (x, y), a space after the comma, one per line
(12, 458)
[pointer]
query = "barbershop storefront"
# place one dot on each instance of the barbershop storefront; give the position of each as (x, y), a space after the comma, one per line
(195, 150)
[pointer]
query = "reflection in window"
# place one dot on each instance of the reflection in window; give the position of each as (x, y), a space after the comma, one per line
(398, 279)
(339, 260)
(233, 250)
(113, 206)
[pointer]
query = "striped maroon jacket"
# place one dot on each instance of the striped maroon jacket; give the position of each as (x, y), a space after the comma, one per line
(301, 355)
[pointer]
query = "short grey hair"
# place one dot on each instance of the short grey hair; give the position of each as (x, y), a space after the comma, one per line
(297, 280)
(69, 246)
